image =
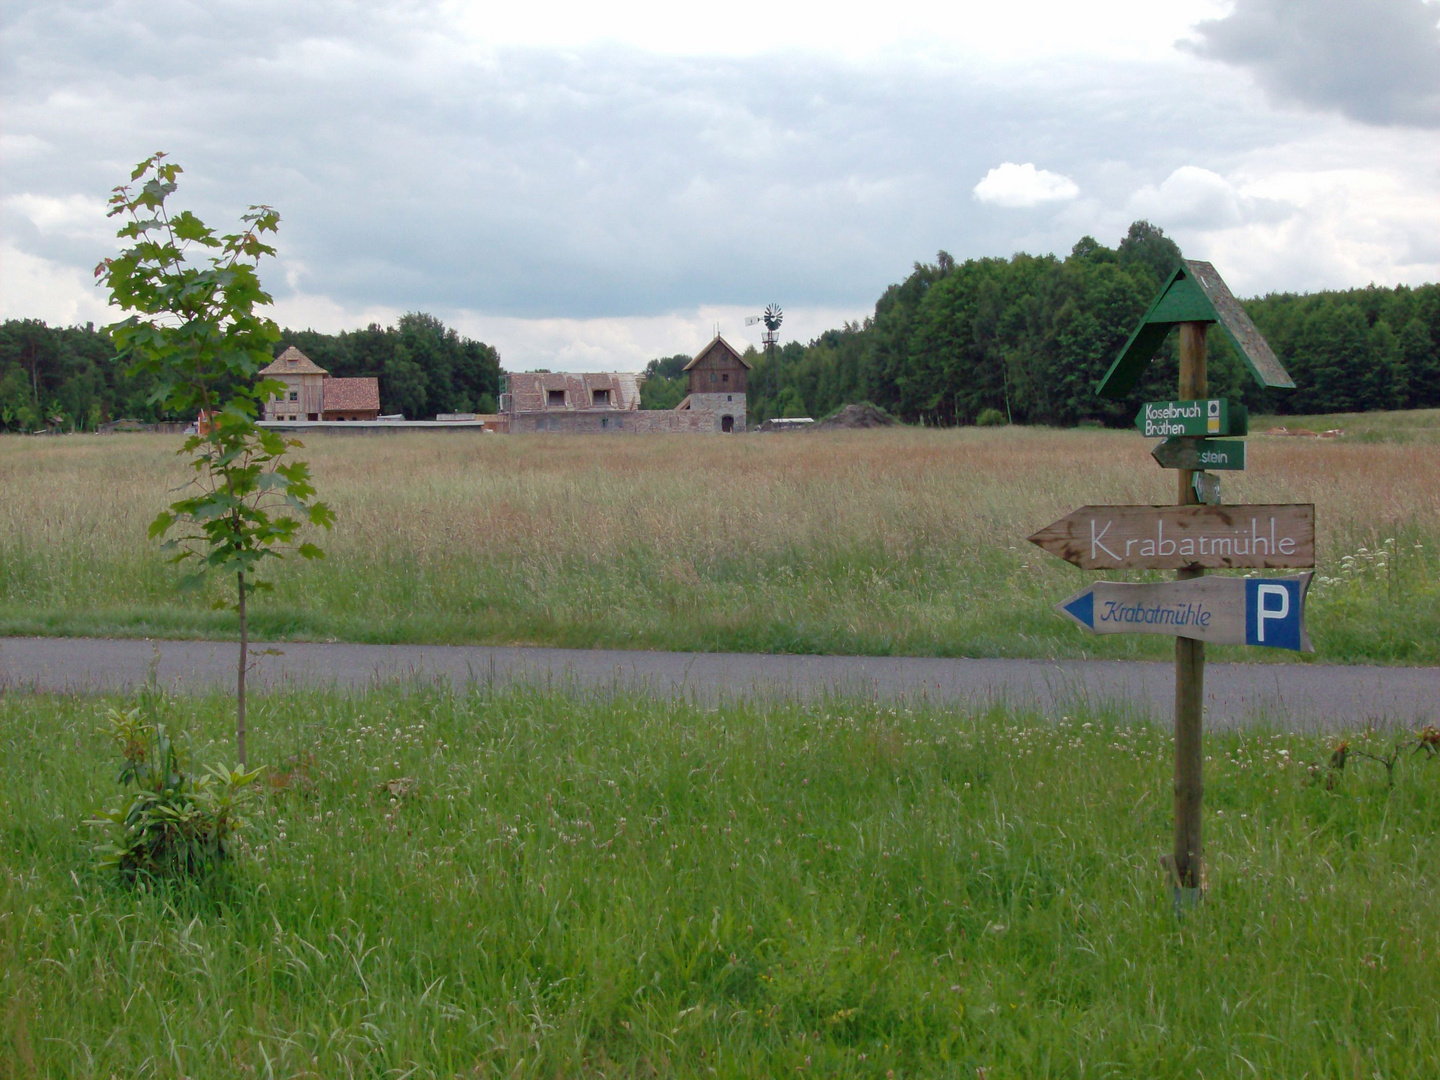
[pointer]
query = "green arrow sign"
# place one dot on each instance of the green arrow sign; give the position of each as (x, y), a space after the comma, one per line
(1190, 419)
(1216, 454)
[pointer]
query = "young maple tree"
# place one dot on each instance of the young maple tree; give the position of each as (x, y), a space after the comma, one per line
(195, 328)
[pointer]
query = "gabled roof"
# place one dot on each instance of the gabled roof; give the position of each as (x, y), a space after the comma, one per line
(530, 390)
(357, 395)
(717, 340)
(1194, 293)
(293, 362)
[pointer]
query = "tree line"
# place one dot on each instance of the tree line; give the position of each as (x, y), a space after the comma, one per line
(69, 377)
(1026, 339)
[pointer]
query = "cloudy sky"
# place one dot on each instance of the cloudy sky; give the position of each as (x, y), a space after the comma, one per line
(589, 185)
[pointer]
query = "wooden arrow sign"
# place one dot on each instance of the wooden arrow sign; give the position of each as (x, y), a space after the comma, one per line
(1216, 454)
(1226, 611)
(1174, 537)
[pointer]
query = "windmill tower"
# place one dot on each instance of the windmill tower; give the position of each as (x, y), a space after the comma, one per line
(772, 317)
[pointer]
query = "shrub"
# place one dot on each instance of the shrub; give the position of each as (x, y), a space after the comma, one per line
(174, 825)
(991, 418)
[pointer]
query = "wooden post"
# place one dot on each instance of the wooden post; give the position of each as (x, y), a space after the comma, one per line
(1189, 655)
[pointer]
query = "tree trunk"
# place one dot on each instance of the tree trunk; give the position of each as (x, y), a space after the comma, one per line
(240, 680)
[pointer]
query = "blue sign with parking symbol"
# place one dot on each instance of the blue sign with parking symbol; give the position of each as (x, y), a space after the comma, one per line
(1274, 611)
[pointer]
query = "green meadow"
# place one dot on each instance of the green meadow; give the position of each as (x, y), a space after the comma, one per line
(528, 885)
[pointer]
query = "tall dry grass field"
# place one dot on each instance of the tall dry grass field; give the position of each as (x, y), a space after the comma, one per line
(894, 541)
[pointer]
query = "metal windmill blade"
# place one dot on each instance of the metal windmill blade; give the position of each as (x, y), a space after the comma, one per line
(773, 317)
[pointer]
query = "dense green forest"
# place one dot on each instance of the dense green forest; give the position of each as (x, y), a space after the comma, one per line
(1027, 337)
(424, 367)
(1030, 336)
(68, 377)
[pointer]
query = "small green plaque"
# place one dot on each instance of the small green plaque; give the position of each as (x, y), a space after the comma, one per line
(1215, 454)
(1207, 488)
(1184, 419)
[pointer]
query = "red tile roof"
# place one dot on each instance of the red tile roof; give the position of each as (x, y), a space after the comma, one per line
(351, 395)
(530, 391)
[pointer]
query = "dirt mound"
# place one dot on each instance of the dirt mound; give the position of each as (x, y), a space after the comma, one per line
(1306, 433)
(863, 415)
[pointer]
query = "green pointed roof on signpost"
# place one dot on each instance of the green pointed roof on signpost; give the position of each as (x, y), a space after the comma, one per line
(1194, 293)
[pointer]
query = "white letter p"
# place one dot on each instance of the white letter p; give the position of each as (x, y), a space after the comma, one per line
(1264, 611)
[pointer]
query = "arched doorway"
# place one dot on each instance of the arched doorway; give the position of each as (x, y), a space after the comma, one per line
(727, 423)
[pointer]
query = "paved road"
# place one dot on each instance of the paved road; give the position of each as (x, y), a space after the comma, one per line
(1294, 696)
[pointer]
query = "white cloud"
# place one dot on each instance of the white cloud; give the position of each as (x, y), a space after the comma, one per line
(21, 147)
(36, 288)
(590, 187)
(1347, 206)
(78, 216)
(1017, 186)
(601, 344)
(627, 344)
(1022, 30)
(1348, 226)
(1189, 196)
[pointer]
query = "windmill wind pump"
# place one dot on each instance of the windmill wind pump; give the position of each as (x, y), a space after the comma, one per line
(771, 317)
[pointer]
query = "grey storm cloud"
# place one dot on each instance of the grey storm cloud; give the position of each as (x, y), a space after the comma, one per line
(579, 182)
(1377, 61)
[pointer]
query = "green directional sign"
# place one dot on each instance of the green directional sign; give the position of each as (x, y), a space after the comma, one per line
(1190, 419)
(1216, 454)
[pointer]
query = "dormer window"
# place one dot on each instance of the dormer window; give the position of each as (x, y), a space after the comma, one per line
(555, 399)
(600, 399)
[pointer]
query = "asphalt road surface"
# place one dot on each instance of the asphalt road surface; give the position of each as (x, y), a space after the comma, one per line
(1291, 696)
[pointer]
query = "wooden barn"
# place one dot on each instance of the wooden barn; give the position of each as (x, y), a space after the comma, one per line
(311, 393)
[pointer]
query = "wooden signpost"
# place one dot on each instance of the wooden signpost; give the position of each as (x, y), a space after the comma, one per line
(1189, 537)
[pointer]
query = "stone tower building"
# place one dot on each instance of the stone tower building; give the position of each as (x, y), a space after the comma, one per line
(717, 384)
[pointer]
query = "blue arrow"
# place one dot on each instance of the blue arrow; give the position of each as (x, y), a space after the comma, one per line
(1083, 608)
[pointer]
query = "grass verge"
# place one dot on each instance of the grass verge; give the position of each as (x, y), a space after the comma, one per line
(529, 885)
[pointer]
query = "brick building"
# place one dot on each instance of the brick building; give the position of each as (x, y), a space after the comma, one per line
(610, 401)
(311, 393)
(558, 401)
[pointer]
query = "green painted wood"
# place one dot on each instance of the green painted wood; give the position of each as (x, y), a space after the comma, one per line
(1215, 454)
(1207, 488)
(1144, 341)
(1183, 301)
(1184, 419)
(1195, 292)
